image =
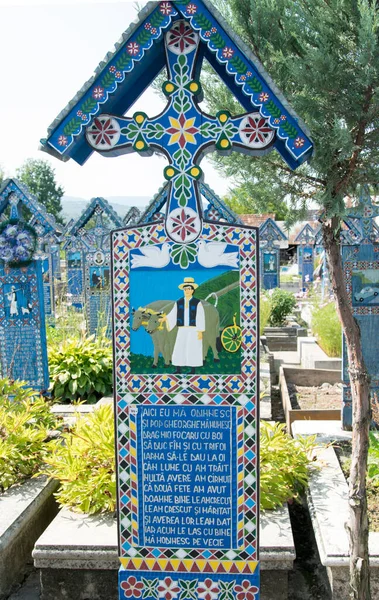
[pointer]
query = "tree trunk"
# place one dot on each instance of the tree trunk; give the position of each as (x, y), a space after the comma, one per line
(360, 391)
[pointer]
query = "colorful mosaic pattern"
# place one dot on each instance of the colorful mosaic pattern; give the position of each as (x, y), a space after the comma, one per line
(181, 586)
(144, 568)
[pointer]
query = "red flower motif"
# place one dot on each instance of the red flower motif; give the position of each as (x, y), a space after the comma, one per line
(112, 69)
(191, 9)
(153, 30)
(263, 97)
(207, 34)
(181, 39)
(183, 225)
(256, 130)
(245, 591)
(283, 117)
(132, 587)
(133, 48)
(165, 8)
(214, 30)
(102, 132)
(98, 93)
(84, 117)
(118, 75)
(79, 113)
(147, 26)
(62, 140)
(299, 142)
(208, 590)
(168, 589)
(249, 74)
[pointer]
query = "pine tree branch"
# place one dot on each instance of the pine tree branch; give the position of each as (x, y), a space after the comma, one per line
(343, 184)
(309, 178)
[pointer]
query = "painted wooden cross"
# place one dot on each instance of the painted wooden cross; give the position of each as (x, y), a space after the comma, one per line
(182, 132)
(365, 212)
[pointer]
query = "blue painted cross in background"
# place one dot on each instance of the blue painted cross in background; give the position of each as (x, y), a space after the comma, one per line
(182, 132)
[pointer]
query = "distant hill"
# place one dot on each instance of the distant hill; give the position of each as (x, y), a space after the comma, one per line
(73, 207)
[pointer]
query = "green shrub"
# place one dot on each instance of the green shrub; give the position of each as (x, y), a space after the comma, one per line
(282, 304)
(84, 464)
(326, 327)
(81, 370)
(25, 422)
(264, 312)
(373, 459)
(284, 464)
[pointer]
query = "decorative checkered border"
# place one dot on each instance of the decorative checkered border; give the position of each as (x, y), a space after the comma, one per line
(136, 237)
(248, 504)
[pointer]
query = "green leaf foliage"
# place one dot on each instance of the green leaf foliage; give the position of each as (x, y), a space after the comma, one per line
(284, 464)
(282, 304)
(324, 57)
(326, 327)
(265, 307)
(373, 459)
(85, 465)
(81, 369)
(25, 423)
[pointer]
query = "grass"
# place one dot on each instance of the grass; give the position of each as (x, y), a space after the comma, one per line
(326, 328)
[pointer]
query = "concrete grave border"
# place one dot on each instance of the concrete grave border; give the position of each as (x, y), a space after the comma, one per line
(306, 377)
(77, 556)
(328, 506)
(25, 511)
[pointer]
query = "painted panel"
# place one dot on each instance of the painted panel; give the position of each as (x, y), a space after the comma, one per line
(22, 325)
(185, 339)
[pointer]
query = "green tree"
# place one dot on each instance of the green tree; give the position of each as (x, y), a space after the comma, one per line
(39, 177)
(242, 201)
(324, 55)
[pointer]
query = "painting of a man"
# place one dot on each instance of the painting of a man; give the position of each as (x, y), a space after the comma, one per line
(188, 315)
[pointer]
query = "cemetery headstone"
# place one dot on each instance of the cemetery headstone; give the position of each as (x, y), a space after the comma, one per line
(270, 236)
(360, 256)
(186, 357)
(88, 262)
(306, 239)
(23, 351)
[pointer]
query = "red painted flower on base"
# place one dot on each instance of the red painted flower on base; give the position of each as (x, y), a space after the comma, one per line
(246, 591)
(132, 588)
(168, 589)
(208, 590)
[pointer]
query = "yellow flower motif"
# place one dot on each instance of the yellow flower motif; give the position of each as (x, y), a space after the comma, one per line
(182, 130)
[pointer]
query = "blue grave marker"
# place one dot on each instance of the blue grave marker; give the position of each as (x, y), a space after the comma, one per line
(88, 262)
(23, 351)
(306, 240)
(270, 235)
(186, 367)
(360, 256)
